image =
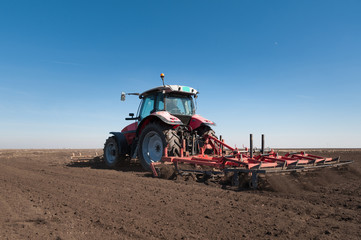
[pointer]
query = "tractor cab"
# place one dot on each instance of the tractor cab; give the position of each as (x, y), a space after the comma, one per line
(174, 99)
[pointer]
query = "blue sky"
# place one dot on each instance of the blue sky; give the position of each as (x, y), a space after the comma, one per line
(288, 69)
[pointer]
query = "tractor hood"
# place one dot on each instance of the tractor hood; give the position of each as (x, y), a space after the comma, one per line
(167, 117)
(194, 121)
(171, 88)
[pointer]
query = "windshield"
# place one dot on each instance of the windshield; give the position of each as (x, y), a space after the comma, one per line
(179, 104)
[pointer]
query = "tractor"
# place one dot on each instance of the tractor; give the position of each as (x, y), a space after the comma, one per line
(166, 118)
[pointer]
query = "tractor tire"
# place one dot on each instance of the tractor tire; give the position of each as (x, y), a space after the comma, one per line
(152, 141)
(211, 132)
(173, 141)
(206, 130)
(112, 156)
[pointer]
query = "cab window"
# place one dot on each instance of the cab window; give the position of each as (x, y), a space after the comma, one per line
(160, 102)
(147, 107)
(179, 104)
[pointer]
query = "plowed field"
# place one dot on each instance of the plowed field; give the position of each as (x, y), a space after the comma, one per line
(43, 195)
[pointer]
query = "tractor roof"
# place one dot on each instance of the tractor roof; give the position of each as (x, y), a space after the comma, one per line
(171, 88)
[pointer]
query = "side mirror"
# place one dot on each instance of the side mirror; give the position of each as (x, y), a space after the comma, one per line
(122, 98)
(132, 117)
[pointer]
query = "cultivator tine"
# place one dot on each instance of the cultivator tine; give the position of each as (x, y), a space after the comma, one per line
(155, 171)
(235, 179)
(284, 165)
(166, 151)
(254, 180)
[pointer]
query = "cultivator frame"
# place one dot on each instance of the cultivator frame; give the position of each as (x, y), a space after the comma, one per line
(244, 162)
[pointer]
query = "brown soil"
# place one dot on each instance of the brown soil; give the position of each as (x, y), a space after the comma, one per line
(43, 195)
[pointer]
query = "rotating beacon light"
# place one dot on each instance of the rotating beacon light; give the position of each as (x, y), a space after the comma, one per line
(162, 77)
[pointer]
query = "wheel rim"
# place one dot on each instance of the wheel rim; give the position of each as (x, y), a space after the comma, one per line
(111, 153)
(152, 147)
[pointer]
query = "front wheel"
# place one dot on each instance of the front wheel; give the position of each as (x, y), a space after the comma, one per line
(112, 156)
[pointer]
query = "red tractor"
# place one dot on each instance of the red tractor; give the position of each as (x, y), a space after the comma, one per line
(165, 120)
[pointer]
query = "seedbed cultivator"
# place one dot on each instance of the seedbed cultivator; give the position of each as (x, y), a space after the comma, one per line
(244, 165)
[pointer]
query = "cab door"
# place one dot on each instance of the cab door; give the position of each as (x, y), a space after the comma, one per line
(148, 106)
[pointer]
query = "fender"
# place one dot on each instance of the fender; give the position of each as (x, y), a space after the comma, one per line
(130, 132)
(162, 116)
(197, 121)
(121, 141)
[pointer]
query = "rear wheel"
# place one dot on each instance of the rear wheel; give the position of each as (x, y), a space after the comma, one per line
(152, 142)
(211, 132)
(173, 141)
(206, 130)
(112, 156)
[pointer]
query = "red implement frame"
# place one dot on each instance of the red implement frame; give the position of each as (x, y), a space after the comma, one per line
(244, 161)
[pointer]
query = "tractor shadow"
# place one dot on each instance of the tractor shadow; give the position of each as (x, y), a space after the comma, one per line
(98, 163)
